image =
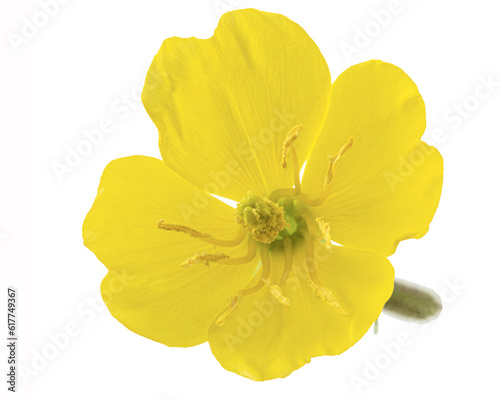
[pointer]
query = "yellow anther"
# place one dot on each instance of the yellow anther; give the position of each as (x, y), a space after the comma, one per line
(183, 229)
(233, 303)
(277, 293)
(324, 227)
(205, 258)
(327, 296)
(291, 137)
(332, 160)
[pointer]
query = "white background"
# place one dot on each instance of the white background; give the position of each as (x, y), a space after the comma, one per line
(77, 71)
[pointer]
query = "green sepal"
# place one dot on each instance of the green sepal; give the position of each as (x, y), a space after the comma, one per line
(413, 303)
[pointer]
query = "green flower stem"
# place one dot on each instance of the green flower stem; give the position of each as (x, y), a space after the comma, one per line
(413, 303)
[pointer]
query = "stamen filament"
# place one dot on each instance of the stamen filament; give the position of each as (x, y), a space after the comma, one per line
(205, 237)
(296, 170)
(274, 289)
(310, 260)
(327, 187)
(333, 160)
(234, 300)
(266, 269)
(291, 137)
(288, 255)
(284, 192)
(287, 147)
(318, 289)
(240, 236)
(252, 250)
(312, 228)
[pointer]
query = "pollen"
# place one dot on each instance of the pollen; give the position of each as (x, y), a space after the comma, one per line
(205, 258)
(277, 293)
(287, 144)
(327, 296)
(332, 160)
(233, 303)
(161, 224)
(262, 217)
(324, 227)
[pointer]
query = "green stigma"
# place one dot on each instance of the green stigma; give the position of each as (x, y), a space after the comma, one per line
(264, 218)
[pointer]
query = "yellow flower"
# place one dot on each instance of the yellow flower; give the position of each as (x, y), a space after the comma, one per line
(238, 115)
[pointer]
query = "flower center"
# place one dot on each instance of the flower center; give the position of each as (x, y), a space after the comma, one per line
(264, 218)
(276, 223)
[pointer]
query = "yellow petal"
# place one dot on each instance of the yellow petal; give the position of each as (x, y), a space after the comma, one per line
(264, 340)
(386, 188)
(146, 287)
(390, 206)
(223, 106)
